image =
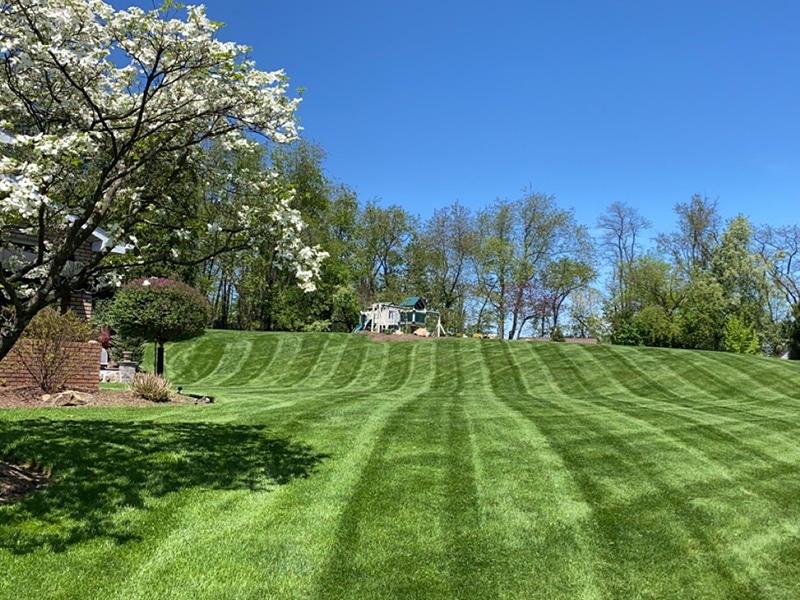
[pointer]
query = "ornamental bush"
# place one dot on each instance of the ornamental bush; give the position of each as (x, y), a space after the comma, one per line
(159, 310)
(151, 387)
(49, 345)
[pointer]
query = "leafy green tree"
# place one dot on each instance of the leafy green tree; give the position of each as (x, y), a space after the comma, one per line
(384, 235)
(742, 276)
(519, 241)
(249, 290)
(565, 276)
(493, 265)
(438, 263)
(656, 291)
(585, 313)
(655, 327)
(159, 310)
(692, 246)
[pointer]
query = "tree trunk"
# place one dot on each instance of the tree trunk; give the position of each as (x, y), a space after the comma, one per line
(159, 362)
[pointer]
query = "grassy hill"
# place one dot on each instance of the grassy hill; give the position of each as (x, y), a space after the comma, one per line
(331, 466)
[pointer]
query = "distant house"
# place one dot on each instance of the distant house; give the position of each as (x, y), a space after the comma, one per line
(386, 317)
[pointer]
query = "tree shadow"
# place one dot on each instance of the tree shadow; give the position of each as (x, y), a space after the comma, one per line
(101, 467)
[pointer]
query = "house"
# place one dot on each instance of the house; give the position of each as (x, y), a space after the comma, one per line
(386, 317)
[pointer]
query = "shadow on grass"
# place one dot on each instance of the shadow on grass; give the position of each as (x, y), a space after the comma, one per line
(101, 467)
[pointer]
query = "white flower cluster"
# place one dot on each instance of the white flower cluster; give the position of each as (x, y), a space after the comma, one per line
(285, 225)
(94, 100)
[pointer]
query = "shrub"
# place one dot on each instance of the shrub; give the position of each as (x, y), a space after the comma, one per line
(48, 345)
(104, 338)
(557, 335)
(151, 387)
(121, 344)
(740, 338)
(317, 327)
(160, 310)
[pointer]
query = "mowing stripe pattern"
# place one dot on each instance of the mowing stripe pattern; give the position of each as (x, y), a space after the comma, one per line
(339, 467)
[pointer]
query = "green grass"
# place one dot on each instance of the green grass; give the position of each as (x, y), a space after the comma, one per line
(333, 467)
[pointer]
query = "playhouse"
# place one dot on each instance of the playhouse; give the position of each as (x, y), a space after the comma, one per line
(387, 317)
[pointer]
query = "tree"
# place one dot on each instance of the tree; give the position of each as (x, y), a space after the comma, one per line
(563, 277)
(691, 247)
(438, 263)
(655, 293)
(248, 288)
(493, 264)
(385, 234)
(545, 234)
(794, 333)
(585, 313)
(742, 276)
(519, 242)
(107, 119)
(159, 310)
(779, 248)
(740, 338)
(622, 227)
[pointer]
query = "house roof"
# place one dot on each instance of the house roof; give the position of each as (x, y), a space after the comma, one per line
(102, 239)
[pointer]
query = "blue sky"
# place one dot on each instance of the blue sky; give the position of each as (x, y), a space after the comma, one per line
(422, 104)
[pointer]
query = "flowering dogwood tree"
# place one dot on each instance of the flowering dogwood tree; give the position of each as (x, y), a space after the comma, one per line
(106, 118)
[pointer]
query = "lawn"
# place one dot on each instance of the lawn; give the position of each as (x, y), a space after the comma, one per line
(330, 467)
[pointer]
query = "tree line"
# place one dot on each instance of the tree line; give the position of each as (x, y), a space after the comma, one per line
(517, 267)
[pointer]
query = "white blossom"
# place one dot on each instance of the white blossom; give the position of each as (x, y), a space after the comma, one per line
(94, 101)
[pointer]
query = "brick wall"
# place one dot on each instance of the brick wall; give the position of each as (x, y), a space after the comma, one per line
(79, 303)
(83, 367)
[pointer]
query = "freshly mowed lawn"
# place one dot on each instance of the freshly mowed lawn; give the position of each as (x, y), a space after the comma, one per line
(333, 467)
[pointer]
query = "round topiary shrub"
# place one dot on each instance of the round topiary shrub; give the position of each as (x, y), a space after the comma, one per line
(160, 310)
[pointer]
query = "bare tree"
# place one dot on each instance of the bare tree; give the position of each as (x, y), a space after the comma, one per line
(622, 227)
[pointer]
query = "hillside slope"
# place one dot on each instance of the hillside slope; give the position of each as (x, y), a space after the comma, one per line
(254, 360)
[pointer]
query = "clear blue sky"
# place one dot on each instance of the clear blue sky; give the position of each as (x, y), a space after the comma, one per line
(647, 102)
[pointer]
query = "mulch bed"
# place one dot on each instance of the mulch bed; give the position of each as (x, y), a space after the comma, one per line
(32, 397)
(18, 481)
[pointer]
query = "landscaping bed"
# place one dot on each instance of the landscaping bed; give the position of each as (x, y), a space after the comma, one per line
(32, 397)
